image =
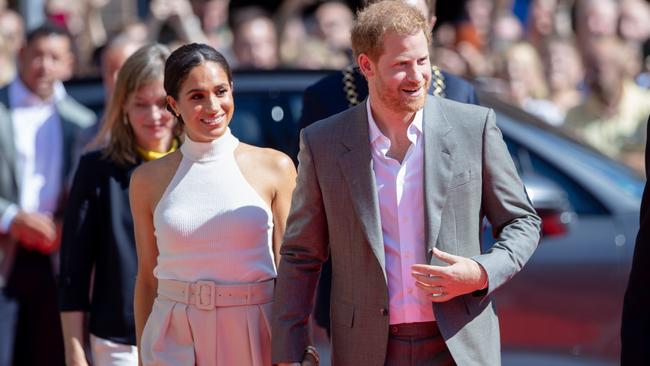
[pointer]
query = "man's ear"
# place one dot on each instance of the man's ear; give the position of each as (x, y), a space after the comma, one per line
(366, 65)
(22, 56)
(22, 51)
(432, 22)
(70, 63)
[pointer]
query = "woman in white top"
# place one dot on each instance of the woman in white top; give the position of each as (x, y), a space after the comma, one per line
(209, 220)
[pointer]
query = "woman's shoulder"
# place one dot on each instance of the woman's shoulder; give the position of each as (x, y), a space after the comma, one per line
(266, 158)
(156, 172)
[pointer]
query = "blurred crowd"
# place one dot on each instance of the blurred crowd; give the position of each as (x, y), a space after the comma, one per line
(582, 64)
(260, 35)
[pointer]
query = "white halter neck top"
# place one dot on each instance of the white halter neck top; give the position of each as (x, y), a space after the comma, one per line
(210, 223)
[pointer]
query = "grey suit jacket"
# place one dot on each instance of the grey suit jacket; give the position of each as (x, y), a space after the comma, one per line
(468, 175)
(76, 121)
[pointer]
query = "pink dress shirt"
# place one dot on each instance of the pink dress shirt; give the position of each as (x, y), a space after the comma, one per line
(401, 209)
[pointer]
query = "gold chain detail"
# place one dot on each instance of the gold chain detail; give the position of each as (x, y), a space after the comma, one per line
(438, 81)
(350, 90)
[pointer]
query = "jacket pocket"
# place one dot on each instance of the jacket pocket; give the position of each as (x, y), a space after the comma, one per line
(460, 179)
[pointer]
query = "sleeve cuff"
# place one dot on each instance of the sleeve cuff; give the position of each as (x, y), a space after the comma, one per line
(483, 290)
(7, 218)
(487, 279)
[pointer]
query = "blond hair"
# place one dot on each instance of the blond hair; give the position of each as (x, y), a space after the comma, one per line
(116, 136)
(383, 17)
(534, 78)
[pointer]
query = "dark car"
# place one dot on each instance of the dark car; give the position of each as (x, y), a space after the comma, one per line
(564, 308)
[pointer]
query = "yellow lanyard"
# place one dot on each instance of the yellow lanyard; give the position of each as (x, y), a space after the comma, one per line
(148, 155)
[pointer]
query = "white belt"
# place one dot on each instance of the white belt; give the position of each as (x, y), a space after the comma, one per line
(207, 295)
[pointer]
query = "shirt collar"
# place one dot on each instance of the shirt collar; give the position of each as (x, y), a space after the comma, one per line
(414, 129)
(21, 96)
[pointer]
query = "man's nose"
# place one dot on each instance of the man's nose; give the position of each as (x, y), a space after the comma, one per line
(38, 63)
(46, 63)
(416, 74)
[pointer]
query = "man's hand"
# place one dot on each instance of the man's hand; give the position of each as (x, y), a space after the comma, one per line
(440, 284)
(35, 231)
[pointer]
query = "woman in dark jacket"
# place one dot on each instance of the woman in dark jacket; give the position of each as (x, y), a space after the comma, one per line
(98, 255)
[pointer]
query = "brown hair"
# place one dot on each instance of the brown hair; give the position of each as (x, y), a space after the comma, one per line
(185, 58)
(116, 135)
(382, 17)
(431, 6)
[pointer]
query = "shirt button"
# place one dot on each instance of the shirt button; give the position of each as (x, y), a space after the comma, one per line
(383, 311)
(410, 290)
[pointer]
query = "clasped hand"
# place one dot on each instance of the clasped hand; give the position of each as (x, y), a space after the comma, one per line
(443, 283)
(36, 231)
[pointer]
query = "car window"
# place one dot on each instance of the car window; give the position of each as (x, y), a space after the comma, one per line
(521, 127)
(582, 202)
(554, 145)
(267, 119)
(616, 173)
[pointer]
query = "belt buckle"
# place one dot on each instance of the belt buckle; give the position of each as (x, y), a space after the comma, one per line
(206, 289)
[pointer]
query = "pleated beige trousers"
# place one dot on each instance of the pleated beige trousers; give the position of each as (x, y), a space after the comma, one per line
(178, 334)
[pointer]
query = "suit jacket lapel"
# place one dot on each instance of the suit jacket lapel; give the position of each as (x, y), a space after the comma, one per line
(68, 134)
(356, 165)
(438, 159)
(7, 145)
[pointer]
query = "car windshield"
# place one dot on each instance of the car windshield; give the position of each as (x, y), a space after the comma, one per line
(616, 173)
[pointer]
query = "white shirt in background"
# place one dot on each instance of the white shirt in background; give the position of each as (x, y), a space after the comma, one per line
(38, 139)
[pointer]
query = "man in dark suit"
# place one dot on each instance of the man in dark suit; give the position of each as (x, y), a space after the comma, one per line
(41, 132)
(347, 88)
(635, 331)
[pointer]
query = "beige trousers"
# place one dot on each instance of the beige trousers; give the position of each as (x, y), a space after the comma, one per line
(209, 325)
